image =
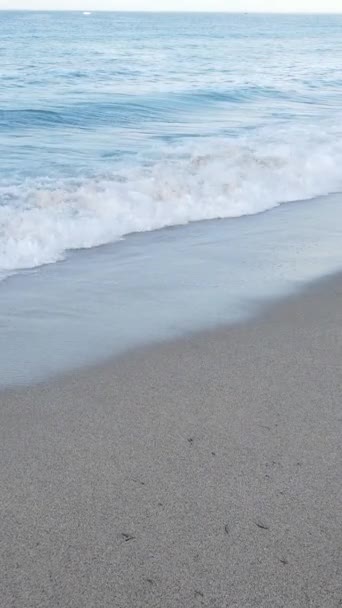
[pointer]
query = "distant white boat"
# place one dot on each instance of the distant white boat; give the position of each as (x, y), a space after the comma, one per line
(86, 13)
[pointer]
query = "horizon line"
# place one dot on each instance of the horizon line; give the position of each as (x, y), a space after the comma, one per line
(169, 11)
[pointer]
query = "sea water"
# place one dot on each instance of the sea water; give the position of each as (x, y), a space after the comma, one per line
(115, 127)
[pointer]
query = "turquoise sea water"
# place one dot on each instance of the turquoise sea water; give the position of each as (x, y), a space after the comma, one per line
(117, 124)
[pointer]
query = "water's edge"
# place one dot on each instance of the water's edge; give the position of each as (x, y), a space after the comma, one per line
(157, 286)
(329, 285)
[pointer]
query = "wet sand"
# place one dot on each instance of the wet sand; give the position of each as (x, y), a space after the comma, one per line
(200, 472)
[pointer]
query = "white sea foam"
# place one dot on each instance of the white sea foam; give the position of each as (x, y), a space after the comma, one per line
(40, 220)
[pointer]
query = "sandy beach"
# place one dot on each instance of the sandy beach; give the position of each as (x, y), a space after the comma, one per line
(200, 472)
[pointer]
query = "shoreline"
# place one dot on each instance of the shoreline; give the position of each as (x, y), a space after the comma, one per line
(103, 303)
(202, 471)
(263, 308)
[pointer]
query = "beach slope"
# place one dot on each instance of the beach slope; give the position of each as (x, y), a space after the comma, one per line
(201, 472)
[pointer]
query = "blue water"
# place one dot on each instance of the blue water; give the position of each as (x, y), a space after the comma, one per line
(115, 124)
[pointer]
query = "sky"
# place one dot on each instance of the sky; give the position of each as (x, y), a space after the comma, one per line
(190, 5)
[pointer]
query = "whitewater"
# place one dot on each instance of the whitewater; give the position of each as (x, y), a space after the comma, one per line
(40, 222)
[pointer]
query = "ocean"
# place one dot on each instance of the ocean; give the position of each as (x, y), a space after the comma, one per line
(121, 135)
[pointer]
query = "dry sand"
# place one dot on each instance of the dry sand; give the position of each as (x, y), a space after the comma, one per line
(201, 472)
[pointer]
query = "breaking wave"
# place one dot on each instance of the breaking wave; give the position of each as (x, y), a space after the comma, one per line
(40, 220)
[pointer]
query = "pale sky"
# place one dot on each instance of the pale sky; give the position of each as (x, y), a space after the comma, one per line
(190, 5)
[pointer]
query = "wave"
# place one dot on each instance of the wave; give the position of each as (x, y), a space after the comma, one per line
(40, 220)
(132, 109)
